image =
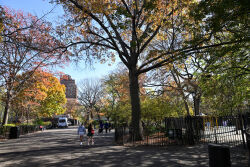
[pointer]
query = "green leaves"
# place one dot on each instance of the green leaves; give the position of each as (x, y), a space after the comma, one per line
(150, 5)
(226, 87)
(223, 15)
(121, 11)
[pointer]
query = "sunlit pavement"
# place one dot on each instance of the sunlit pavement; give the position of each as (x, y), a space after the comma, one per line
(61, 147)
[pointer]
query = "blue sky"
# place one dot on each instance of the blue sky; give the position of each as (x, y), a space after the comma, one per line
(40, 8)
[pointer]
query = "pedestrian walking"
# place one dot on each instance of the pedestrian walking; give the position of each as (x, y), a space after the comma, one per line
(90, 134)
(106, 126)
(81, 131)
(101, 127)
(110, 127)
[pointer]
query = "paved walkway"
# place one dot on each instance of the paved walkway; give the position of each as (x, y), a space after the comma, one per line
(60, 147)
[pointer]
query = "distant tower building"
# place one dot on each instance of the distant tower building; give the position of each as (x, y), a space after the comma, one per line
(71, 94)
(71, 88)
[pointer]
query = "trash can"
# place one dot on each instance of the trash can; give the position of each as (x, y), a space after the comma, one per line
(219, 156)
(14, 132)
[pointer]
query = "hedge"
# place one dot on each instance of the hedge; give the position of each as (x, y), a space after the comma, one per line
(24, 129)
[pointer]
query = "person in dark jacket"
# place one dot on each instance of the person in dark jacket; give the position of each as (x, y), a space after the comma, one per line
(106, 126)
(101, 127)
(90, 134)
(110, 127)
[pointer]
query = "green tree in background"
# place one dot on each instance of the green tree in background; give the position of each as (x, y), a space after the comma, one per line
(54, 103)
(224, 70)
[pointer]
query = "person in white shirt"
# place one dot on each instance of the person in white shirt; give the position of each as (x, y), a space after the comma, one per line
(81, 131)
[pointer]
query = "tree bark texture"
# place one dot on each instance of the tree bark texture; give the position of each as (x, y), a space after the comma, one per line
(6, 108)
(135, 104)
(196, 105)
(197, 100)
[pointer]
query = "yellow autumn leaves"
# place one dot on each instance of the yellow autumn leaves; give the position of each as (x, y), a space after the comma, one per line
(43, 95)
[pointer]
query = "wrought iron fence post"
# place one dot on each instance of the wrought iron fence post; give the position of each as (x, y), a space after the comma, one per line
(242, 131)
(248, 135)
(215, 135)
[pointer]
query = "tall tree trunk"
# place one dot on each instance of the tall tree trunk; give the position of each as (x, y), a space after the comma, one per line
(98, 116)
(135, 104)
(196, 104)
(177, 81)
(186, 104)
(197, 100)
(6, 108)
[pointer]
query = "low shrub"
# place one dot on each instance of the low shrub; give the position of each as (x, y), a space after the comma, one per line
(38, 122)
(26, 124)
(9, 125)
(47, 123)
(43, 123)
(149, 130)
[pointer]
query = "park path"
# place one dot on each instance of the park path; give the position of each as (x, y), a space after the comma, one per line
(60, 148)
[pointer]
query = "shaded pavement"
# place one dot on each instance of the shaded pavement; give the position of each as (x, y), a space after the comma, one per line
(60, 147)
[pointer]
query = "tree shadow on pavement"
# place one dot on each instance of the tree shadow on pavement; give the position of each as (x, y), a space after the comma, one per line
(51, 149)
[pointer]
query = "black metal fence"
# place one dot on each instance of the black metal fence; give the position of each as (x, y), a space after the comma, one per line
(22, 129)
(205, 129)
(189, 130)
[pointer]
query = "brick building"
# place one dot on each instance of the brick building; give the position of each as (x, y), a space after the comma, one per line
(71, 88)
(71, 94)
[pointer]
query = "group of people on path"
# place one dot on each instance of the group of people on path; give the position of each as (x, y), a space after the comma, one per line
(82, 131)
(107, 126)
